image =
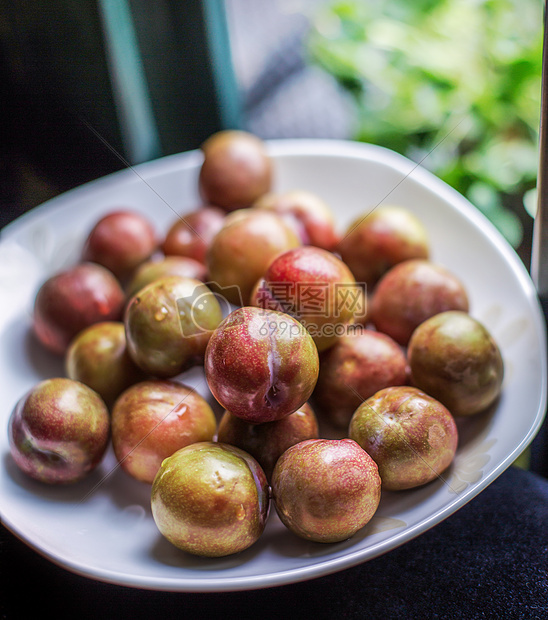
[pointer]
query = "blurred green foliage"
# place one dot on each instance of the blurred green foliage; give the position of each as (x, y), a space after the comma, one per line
(454, 84)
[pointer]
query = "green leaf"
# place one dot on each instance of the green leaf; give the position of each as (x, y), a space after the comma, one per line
(415, 67)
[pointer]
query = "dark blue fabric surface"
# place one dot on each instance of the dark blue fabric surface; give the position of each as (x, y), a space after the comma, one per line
(488, 560)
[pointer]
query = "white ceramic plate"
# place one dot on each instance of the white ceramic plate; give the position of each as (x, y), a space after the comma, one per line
(103, 528)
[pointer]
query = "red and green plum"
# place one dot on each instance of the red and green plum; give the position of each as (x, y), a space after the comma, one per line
(268, 441)
(410, 435)
(153, 419)
(192, 233)
(59, 432)
(121, 241)
(453, 357)
(98, 357)
(243, 249)
(236, 170)
(325, 490)
(73, 299)
(153, 270)
(358, 335)
(315, 287)
(210, 499)
(168, 324)
(412, 292)
(380, 239)
(312, 217)
(261, 365)
(358, 365)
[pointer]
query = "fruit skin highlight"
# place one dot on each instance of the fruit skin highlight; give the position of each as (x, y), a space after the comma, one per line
(210, 499)
(411, 436)
(59, 432)
(325, 490)
(261, 365)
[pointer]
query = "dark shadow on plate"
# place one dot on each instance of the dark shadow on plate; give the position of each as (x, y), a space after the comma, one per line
(112, 481)
(46, 363)
(392, 503)
(475, 427)
(397, 502)
(63, 493)
(107, 478)
(290, 545)
(22, 349)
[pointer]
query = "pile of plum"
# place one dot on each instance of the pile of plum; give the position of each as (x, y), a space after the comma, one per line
(298, 328)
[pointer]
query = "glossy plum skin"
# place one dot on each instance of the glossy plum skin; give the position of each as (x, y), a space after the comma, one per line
(193, 232)
(153, 270)
(411, 436)
(120, 241)
(72, 300)
(236, 170)
(243, 249)
(210, 499)
(378, 240)
(412, 292)
(325, 490)
(311, 285)
(59, 432)
(453, 357)
(312, 217)
(168, 324)
(153, 419)
(267, 442)
(360, 363)
(261, 366)
(98, 357)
